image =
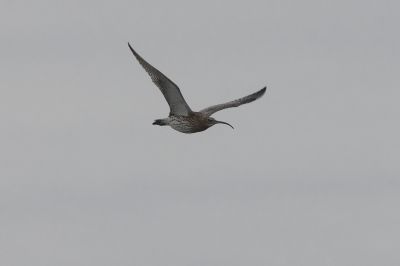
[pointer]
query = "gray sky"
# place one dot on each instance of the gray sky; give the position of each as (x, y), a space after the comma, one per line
(309, 176)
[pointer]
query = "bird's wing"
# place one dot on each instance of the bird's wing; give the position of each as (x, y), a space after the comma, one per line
(170, 90)
(235, 103)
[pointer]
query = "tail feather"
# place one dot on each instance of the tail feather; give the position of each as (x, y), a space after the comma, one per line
(160, 122)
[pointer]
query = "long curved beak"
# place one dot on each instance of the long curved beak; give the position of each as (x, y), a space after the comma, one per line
(220, 122)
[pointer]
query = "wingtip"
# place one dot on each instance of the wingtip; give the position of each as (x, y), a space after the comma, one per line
(130, 47)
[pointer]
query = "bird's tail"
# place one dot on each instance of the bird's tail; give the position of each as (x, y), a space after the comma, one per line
(160, 122)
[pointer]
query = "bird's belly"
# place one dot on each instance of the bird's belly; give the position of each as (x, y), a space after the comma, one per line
(186, 126)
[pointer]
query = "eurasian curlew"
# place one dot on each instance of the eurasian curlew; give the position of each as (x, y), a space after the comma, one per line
(181, 117)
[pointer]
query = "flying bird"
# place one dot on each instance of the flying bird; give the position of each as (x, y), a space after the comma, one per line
(181, 117)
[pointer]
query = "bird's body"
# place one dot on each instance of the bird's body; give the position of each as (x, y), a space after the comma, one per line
(192, 123)
(181, 117)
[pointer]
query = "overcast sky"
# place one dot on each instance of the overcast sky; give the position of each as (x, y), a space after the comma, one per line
(309, 176)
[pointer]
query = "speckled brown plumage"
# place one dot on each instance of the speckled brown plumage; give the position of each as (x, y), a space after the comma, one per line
(181, 117)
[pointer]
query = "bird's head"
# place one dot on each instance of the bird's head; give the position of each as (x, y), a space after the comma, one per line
(211, 121)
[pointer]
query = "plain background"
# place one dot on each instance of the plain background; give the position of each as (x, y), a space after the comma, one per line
(309, 176)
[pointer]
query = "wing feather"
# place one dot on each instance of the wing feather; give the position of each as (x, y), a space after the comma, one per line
(169, 89)
(235, 103)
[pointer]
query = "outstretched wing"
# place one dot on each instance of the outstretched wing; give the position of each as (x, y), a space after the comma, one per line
(235, 103)
(170, 90)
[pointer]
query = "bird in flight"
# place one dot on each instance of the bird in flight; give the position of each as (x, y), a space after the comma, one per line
(181, 117)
